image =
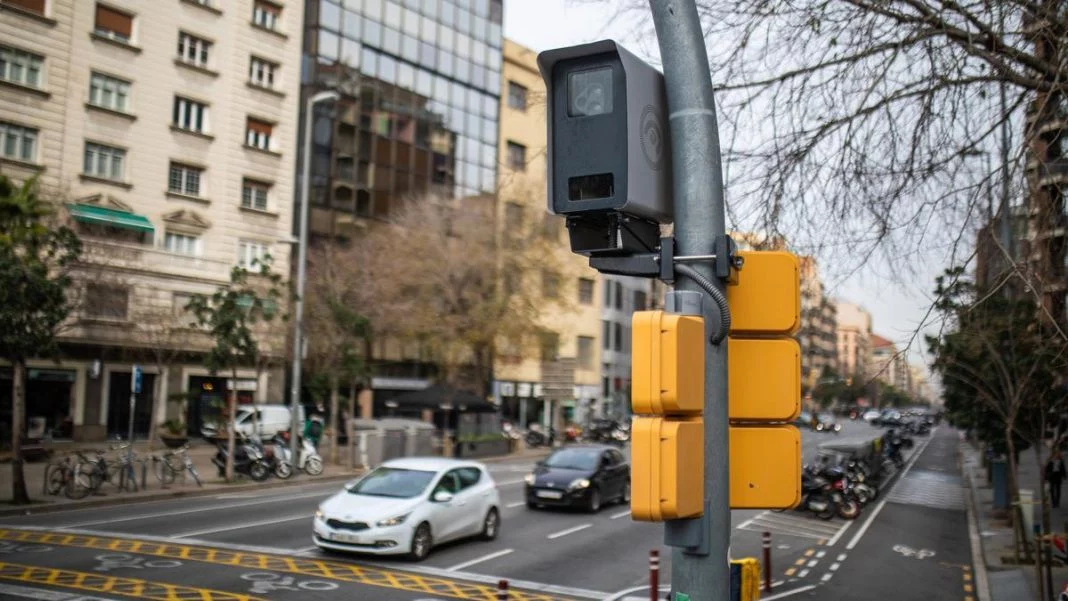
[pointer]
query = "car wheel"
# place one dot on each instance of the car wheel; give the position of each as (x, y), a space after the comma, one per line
(624, 497)
(491, 525)
(421, 543)
(594, 504)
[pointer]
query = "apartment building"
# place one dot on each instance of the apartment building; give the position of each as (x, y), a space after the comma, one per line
(854, 340)
(560, 381)
(166, 131)
(889, 366)
(818, 333)
(623, 295)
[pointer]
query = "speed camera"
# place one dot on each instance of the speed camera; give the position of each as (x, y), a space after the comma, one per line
(608, 144)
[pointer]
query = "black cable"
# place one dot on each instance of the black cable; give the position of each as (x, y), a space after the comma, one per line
(717, 296)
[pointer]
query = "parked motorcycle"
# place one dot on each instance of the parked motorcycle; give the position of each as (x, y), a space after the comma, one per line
(825, 497)
(310, 461)
(607, 431)
(863, 486)
(249, 459)
(536, 437)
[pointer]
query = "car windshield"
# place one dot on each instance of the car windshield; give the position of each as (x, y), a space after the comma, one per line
(574, 459)
(393, 482)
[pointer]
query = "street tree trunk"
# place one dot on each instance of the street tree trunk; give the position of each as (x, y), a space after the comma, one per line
(1044, 594)
(1014, 494)
(333, 417)
(230, 426)
(19, 495)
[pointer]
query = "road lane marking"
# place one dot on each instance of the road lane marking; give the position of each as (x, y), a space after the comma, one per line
(479, 560)
(26, 592)
(117, 585)
(746, 523)
(813, 563)
(871, 518)
(791, 571)
(303, 516)
(515, 504)
(809, 552)
(834, 566)
(789, 593)
(568, 531)
(621, 514)
(841, 556)
(826, 576)
(821, 554)
(428, 581)
(148, 516)
(802, 573)
(800, 562)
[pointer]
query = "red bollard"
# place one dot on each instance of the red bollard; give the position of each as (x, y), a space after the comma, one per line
(502, 590)
(654, 574)
(767, 561)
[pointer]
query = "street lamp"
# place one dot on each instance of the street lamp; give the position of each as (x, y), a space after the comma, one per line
(302, 252)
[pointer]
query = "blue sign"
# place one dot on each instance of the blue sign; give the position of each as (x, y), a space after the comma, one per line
(135, 382)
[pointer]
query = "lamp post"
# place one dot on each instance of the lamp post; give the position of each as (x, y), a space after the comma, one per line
(302, 253)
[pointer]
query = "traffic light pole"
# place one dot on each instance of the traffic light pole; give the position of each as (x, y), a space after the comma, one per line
(699, 220)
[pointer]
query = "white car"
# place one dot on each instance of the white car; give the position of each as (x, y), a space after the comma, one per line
(406, 506)
(870, 415)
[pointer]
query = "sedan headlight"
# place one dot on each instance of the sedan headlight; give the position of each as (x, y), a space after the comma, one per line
(578, 483)
(529, 479)
(319, 514)
(393, 521)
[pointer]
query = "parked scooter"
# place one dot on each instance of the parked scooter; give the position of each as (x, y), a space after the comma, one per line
(310, 461)
(248, 459)
(536, 437)
(825, 497)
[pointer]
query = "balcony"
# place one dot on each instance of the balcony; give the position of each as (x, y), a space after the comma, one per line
(150, 261)
(1052, 172)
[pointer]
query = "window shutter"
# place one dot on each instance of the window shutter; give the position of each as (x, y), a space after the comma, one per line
(35, 6)
(113, 20)
(260, 127)
(269, 8)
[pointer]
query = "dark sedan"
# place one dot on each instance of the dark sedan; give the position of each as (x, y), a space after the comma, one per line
(586, 476)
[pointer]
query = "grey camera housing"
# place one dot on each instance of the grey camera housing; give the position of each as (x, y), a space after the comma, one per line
(609, 148)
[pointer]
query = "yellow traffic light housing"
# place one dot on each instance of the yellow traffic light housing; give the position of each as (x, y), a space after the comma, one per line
(668, 394)
(764, 386)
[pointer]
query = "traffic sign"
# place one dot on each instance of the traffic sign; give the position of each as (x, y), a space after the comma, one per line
(135, 381)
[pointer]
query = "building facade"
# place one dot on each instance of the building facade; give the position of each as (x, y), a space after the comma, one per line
(559, 382)
(889, 366)
(623, 295)
(818, 333)
(854, 340)
(166, 134)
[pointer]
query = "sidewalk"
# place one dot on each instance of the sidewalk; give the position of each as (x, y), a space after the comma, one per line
(1007, 581)
(200, 452)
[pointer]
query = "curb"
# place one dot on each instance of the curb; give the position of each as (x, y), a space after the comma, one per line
(162, 495)
(982, 584)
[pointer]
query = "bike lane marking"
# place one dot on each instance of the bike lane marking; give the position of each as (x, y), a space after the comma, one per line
(297, 566)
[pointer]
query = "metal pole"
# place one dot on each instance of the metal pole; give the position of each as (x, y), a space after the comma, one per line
(699, 218)
(1005, 223)
(766, 542)
(302, 252)
(654, 574)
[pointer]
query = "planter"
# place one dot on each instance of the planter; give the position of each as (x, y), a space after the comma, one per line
(483, 448)
(174, 442)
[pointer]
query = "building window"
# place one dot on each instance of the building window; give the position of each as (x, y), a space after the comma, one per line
(109, 302)
(606, 335)
(113, 24)
(190, 115)
(585, 290)
(608, 295)
(640, 300)
(182, 244)
(193, 50)
(266, 15)
(517, 156)
(517, 96)
(17, 142)
(33, 6)
(619, 296)
(585, 352)
(550, 285)
(20, 67)
(254, 194)
(261, 72)
(184, 179)
(108, 92)
(258, 134)
(250, 255)
(550, 346)
(617, 337)
(105, 162)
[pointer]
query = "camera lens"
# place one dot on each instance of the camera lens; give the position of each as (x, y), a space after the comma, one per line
(589, 92)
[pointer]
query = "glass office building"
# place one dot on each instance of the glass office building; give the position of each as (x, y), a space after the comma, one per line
(421, 81)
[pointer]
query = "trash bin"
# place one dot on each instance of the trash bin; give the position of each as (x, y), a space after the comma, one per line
(999, 471)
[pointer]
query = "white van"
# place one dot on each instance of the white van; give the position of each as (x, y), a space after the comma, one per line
(264, 420)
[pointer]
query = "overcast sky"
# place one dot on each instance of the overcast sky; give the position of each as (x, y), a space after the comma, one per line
(896, 309)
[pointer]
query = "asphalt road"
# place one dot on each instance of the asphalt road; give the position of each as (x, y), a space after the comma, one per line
(563, 554)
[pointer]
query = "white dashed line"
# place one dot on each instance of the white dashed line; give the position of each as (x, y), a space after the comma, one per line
(802, 573)
(813, 563)
(835, 566)
(842, 557)
(820, 554)
(621, 514)
(827, 576)
(516, 504)
(568, 531)
(477, 560)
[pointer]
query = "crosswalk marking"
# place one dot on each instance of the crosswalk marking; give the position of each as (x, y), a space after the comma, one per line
(791, 525)
(930, 489)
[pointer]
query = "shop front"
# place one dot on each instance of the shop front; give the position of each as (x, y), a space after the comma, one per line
(208, 401)
(49, 403)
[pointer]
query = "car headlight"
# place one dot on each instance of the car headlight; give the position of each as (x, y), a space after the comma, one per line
(319, 514)
(393, 521)
(578, 483)
(529, 479)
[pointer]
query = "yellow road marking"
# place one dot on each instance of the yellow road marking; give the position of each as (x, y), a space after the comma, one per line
(791, 571)
(967, 588)
(115, 585)
(343, 572)
(967, 577)
(799, 562)
(809, 553)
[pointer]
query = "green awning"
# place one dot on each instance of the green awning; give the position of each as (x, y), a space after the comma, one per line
(112, 217)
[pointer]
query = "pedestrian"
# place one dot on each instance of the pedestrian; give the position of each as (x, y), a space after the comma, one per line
(1055, 473)
(313, 427)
